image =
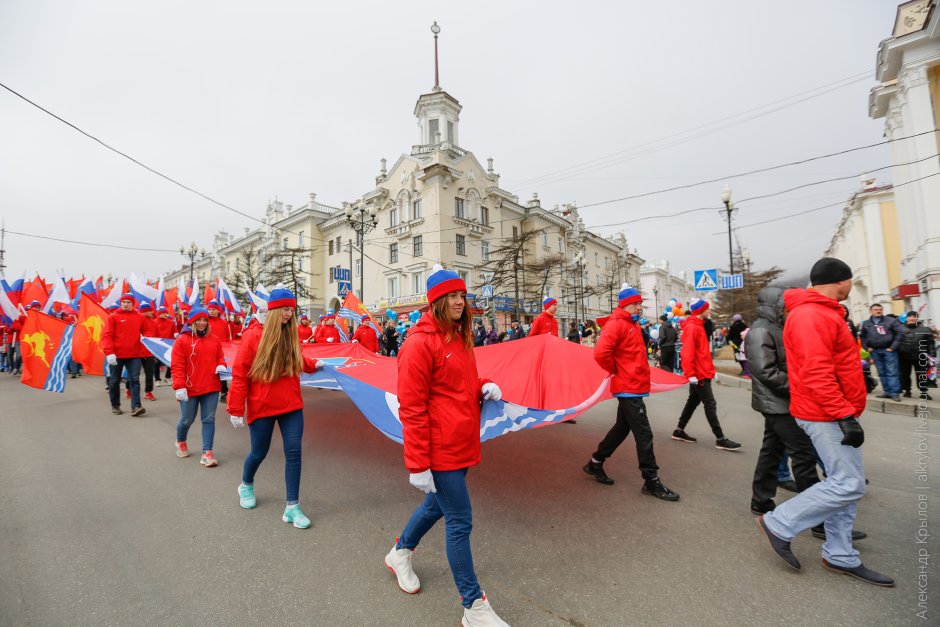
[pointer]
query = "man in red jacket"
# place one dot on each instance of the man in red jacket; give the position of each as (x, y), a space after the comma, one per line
(166, 329)
(120, 342)
(218, 327)
(147, 360)
(827, 395)
(697, 366)
(545, 322)
(621, 351)
(367, 336)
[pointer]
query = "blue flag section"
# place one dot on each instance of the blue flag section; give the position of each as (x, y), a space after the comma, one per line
(57, 373)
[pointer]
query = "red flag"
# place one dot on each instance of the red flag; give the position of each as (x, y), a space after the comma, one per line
(72, 285)
(45, 343)
(86, 346)
(207, 295)
(34, 290)
(352, 303)
(170, 297)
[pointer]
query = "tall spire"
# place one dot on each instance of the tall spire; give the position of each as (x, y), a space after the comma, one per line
(437, 83)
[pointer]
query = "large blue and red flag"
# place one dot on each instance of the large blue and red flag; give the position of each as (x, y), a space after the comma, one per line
(86, 346)
(227, 298)
(46, 345)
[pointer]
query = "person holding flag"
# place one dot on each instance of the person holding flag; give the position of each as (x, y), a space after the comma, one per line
(218, 327)
(197, 362)
(367, 336)
(265, 392)
(122, 347)
(148, 361)
(165, 329)
(304, 330)
(545, 322)
(327, 332)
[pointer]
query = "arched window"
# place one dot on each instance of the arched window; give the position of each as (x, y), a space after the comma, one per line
(403, 205)
(473, 202)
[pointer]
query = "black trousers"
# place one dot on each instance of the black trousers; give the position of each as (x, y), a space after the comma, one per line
(701, 392)
(919, 365)
(782, 433)
(667, 358)
(631, 416)
(148, 364)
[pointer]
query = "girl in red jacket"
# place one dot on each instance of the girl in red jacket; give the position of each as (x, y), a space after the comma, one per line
(266, 390)
(196, 363)
(439, 393)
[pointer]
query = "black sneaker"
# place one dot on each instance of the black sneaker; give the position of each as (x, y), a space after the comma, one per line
(925, 397)
(819, 531)
(597, 471)
(789, 485)
(117, 411)
(138, 411)
(727, 445)
(655, 487)
(896, 399)
(883, 396)
(224, 397)
(682, 436)
(907, 393)
(762, 508)
(861, 572)
(780, 546)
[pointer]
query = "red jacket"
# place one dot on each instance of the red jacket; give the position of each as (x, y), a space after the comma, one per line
(826, 379)
(439, 400)
(326, 331)
(366, 336)
(234, 330)
(148, 329)
(17, 328)
(194, 360)
(166, 328)
(121, 336)
(621, 351)
(305, 332)
(544, 323)
(263, 400)
(219, 328)
(696, 350)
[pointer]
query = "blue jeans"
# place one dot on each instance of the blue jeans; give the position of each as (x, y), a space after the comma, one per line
(888, 371)
(261, 431)
(207, 404)
(783, 469)
(133, 381)
(452, 501)
(832, 500)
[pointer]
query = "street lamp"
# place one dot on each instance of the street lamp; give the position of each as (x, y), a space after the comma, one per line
(729, 209)
(192, 252)
(580, 263)
(362, 220)
(656, 298)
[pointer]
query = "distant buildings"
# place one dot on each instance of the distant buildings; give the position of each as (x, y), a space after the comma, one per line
(658, 284)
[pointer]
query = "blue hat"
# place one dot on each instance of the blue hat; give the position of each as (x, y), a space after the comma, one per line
(214, 304)
(196, 313)
(145, 305)
(628, 295)
(442, 282)
(281, 297)
(34, 305)
(698, 306)
(548, 302)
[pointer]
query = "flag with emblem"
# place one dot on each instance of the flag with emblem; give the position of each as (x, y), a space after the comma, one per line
(46, 345)
(86, 345)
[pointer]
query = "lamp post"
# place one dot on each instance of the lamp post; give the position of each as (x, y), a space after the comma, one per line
(579, 262)
(729, 209)
(192, 252)
(362, 220)
(656, 298)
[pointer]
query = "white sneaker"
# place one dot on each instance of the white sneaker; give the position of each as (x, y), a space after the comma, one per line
(399, 562)
(481, 614)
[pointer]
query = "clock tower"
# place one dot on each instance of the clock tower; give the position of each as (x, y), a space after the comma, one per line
(438, 112)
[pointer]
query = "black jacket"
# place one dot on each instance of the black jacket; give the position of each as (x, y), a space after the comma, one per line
(915, 341)
(516, 334)
(668, 335)
(890, 338)
(763, 346)
(735, 331)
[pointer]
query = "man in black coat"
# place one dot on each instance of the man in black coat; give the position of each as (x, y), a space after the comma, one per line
(881, 336)
(667, 344)
(916, 346)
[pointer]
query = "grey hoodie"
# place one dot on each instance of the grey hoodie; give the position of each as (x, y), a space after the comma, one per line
(763, 345)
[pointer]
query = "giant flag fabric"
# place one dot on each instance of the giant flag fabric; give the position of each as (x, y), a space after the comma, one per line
(46, 345)
(86, 346)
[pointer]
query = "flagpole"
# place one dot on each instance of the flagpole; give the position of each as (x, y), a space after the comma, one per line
(3, 237)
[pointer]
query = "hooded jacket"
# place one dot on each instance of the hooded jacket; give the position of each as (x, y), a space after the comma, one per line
(193, 363)
(219, 328)
(915, 340)
(667, 335)
(304, 332)
(439, 400)
(121, 336)
(621, 351)
(544, 323)
(763, 346)
(326, 333)
(826, 380)
(367, 337)
(696, 350)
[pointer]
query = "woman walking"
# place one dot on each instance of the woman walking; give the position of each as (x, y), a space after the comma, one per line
(196, 363)
(266, 391)
(440, 393)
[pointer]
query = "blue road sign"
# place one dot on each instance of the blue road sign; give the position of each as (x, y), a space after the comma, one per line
(732, 281)
(706, 280)
(487, 291)
(344, 287)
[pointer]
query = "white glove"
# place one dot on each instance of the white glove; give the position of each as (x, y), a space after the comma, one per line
(237, 421)
(220, 369)
(424, 481)
(319, 365)
(355, 341)
(329, 339)
(715, 378)
(112, 360)
(491, 392)
(182, 395)
(693, 380)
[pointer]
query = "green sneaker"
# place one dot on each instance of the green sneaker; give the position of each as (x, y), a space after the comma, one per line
(292, 514)
(246, 496)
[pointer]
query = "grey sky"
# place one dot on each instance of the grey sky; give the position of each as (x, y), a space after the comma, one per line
(244, 101)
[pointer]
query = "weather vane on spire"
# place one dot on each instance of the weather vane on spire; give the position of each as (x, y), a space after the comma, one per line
(436, 29)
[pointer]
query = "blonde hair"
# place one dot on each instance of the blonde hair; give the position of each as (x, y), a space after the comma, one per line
(462, 328)
(279, 353)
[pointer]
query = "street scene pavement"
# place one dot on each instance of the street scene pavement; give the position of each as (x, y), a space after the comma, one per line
(101, 524)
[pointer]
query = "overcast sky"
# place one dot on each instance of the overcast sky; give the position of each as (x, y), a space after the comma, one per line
(587, 102)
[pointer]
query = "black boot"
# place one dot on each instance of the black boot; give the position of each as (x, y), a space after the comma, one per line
(597, 471)
(655, 487)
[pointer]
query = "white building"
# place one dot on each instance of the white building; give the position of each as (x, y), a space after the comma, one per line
(658, 285)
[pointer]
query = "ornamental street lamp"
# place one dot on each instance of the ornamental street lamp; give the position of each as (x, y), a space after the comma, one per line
(192, 252)
(362, 220)
(729, 209)
(579, 262)
(656, 298)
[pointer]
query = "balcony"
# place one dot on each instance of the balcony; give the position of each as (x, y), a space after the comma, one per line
(404, 229)
(476, 229)
(426, 150)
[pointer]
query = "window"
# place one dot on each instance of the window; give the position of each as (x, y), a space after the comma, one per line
(416, 209)
(458, 207)
(300, 264)
(450, 132)
(559, 246)
(393, 253)
(485, 250)
(300, 239)
(418, 246)
(544, 239)
(515, 232)
(484, 215)
(391, 287)
(285, 244)
(358, 267)
(461, 245)
(332, 270)
(464, 275)
(331, 247)
(228, 267)
(393, 216)
(434, 130)
(339, 243)
(597, 260)
(417, 283)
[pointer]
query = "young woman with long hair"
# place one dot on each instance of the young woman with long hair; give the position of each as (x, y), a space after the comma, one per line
(440, 392)
(266, 391)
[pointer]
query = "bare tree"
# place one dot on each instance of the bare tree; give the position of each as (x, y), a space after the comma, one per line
(507, 263)
(249, 273)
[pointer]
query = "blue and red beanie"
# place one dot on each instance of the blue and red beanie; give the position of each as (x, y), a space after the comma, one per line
(628, 295)
(129, 297)
(196, 313)
(281, 297)
(548, 302)
(146, 306)
(698, 306)
(34, 305)
(162, 310)
(442, 282)
(214, 304)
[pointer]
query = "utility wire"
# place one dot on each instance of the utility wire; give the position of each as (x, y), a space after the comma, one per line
(72, 241)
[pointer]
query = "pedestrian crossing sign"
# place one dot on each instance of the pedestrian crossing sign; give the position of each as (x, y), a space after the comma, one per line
(706, 280)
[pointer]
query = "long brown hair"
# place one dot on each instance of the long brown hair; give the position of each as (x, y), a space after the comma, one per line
(279, 352)
(461, 328)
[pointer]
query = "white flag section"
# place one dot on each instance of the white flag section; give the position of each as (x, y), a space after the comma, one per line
(193, 299)
(7, 307)
(228, 298)
(115, 295)
(141, 287)
(60, 294)
(161, 294)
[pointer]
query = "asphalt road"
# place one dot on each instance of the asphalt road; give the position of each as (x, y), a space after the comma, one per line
(101, 524)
